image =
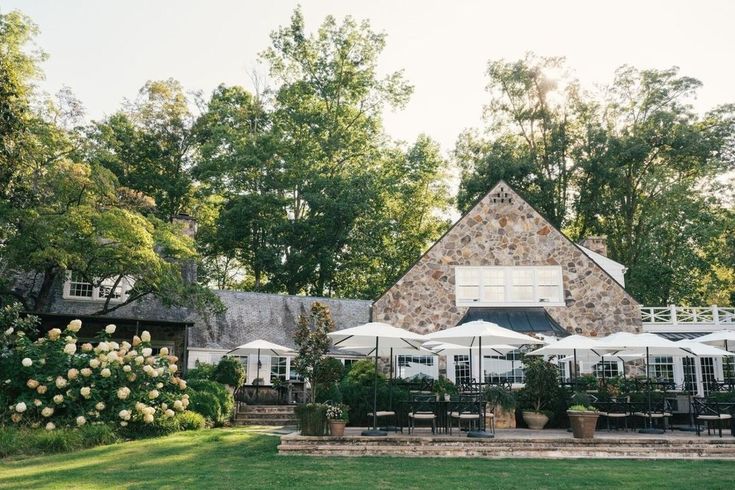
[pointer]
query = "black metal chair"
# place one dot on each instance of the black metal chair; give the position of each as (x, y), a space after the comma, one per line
(657, 410)
(468, 409)
(712, 414)
(616, 410)
(422, 408)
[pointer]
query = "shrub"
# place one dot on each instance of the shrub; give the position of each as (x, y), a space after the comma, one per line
(443, 386)
(24, 441)
(191, 420)
(363, 372)
(201, 370)
(217, 412)
(53, 382)
(207, 404)
(312, 419)
(542, 384)
(229, 371)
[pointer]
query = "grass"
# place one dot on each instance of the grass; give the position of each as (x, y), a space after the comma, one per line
(243, 458)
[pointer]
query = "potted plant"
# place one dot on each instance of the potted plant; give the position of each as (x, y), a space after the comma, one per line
(312, 419)
(443, 388)
(501, 402)
(583, 419)
(542, 388)
(337, 417)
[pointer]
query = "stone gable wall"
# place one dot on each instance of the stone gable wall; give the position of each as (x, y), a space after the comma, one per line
(507, 234)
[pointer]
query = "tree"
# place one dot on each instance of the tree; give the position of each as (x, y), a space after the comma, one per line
(313, 343)
(237, 164)
(148, 146)
(531, 119)
(327, 120)
(632, 161)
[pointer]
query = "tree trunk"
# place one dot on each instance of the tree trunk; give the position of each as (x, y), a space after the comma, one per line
(44, 294)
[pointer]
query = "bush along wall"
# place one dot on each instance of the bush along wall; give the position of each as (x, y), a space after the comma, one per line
(54, 382)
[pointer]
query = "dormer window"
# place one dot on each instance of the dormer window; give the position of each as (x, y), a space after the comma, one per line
(76, 287)
(509, 286)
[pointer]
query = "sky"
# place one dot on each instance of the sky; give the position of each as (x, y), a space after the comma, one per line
(105, 51)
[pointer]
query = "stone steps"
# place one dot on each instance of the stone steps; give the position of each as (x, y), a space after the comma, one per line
(272, 415)
(509, 448)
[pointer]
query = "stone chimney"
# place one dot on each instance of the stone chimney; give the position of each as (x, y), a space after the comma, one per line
(597, 244)
(189, 227)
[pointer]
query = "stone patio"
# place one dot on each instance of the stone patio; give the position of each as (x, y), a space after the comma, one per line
(517, 443)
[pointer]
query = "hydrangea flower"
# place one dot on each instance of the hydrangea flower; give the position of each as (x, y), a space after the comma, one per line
(100, 406)
(60, 382)
(86, 372)
(27, 362)
(70, 349)
(81, 420)
(145, 336)
(106, 373)
(58, 399)
(20, 407)
(50, 426)
(32, 384)
(74, 326)
(47, 412)
(110, 329)
(42, 389)
(86, 391)
(72, 373)
(54, 334)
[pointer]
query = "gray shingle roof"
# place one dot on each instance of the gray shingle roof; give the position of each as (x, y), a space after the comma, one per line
(271, 317)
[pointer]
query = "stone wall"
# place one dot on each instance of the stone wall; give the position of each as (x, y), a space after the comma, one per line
(504, 230)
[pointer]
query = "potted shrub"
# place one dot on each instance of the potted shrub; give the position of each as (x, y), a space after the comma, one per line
(444, 388)
(583, 419)
(502, 404)
(312, 419)
(337, 417)
(540, 392)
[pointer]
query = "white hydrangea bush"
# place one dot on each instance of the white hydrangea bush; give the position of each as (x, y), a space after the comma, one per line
(56, 381)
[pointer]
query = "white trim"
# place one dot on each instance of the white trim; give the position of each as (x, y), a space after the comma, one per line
(508, 285)
(125, 285)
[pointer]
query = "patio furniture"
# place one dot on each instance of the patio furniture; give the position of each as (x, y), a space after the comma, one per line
(376, 332)
(254, 348)
(651, 411)
(422, 408)
(615, 410)
(389, 416)
(712, 414)
(467, 409)
(476, 333)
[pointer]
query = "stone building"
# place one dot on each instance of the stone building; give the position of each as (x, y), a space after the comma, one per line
(504, 262)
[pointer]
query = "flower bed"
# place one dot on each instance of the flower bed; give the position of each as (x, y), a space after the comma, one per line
(55, 382)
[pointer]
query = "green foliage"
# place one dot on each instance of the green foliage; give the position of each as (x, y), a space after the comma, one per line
(357, 393)
(30, 442)
(313, 343)
(582, 408)
(444, 386)
(500, 396)
(362, 372)
(55, 381)
(312, 419)
(329, 371)
(190, 420)
(211, 399)
(229, 371)
(541, 390)
(201, 370)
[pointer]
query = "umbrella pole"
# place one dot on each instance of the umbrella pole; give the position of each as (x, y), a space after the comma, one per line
(257, 380)
(480, 432)
(650, 429)
(574, 381)
(375, 431)
(728, 379)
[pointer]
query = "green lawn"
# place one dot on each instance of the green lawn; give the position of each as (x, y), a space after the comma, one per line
(241, 458)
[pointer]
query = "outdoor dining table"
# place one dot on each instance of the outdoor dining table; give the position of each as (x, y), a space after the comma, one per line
(441, 409)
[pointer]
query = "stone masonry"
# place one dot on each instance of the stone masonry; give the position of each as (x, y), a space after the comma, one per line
(504, 230)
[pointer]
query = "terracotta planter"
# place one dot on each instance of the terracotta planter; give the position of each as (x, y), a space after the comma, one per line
(535, 420)
(337, 428)
(583, 424)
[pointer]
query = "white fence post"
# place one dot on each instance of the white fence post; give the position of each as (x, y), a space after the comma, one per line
(715, 315)
(672, 309)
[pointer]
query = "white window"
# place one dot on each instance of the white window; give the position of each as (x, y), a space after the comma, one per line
(509, 286)
(76, 287)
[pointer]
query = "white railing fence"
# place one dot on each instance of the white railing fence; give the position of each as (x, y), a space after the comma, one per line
(691, 315)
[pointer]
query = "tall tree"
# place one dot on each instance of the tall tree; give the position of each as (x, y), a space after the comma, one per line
(148, 146)
(531, 118)
(327, 118)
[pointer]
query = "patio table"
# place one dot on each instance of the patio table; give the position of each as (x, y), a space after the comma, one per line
(441, 409)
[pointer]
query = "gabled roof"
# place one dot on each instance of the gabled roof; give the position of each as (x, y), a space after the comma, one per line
(492, 188)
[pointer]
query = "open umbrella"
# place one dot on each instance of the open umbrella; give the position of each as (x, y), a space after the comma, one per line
(571, 345)
(383, 336)
(447, 349)
(255, 347)
(723, 339)
(476, 333)
(631, 343)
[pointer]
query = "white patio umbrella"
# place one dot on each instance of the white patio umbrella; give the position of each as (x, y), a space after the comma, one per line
(447, 349)
(383, 336)
(571, 345)
(476, 333)
(255, 347)
(648, 343)
(705, 350)
(723, 338)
